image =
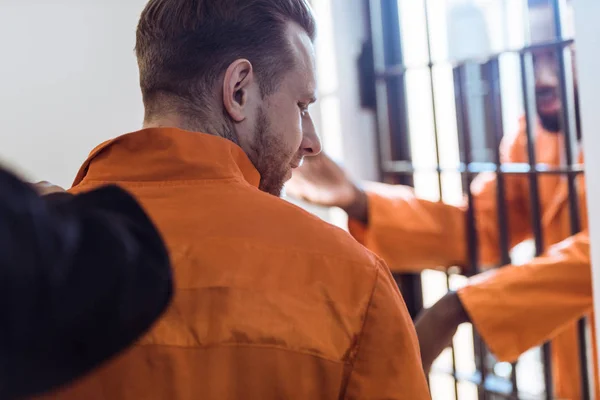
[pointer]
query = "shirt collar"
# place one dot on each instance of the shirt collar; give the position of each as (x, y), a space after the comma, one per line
(167, 154)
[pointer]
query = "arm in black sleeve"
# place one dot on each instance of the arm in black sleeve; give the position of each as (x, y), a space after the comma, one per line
(81, 278)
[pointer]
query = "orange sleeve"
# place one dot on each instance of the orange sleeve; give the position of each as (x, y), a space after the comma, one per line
(409, 233)
(517, 308)
(413, 234)
(387, 363)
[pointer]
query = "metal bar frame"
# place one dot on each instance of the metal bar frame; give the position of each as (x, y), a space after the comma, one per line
(472, 238)
(393, 126)
(569, 125)
(434, 114)
(400, 69)
(474, 168)
(396, 164)
(494, 112)
(528, 90)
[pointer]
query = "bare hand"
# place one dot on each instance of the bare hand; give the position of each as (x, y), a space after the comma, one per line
(437, 326)
(45, 188)
(322, 182)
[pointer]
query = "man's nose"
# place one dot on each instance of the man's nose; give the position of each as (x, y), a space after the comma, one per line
(546, 75)
(311, 144)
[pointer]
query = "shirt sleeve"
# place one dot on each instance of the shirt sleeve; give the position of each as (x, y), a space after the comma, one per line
(413, 234)
(404, 230)
(387, 363)
(517, 308)
(81, 277)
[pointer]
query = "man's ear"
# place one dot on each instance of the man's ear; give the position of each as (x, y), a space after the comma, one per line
(238, 78)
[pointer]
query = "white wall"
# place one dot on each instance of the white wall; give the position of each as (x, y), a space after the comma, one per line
(358, 125)
(68, 80)
(348, 131)
(587, 15)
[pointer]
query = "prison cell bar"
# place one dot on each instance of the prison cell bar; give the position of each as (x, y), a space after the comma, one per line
(379, 59)
(400, 69)
(406, 167)
(391, 72)
(571, 170)
(532, 170)
(390, 127)
(464, 131)
(436, 138)
(494, 112)
(569, 125)
(399, 137)
(528, 91)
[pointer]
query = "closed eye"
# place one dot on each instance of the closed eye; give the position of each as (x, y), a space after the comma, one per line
(303, 108)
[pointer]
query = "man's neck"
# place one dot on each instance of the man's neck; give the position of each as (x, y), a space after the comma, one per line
(173, 121)
(189, 124)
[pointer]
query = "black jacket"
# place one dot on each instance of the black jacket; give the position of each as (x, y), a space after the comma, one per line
(81, 277)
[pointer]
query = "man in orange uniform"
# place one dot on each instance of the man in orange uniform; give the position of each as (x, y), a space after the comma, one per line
(513, 308)
(270, 302)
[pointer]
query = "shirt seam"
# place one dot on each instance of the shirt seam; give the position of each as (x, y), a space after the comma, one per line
(259, 346)
(357, 347)
(288, 250)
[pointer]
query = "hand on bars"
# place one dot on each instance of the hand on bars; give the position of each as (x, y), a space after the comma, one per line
(437, 326)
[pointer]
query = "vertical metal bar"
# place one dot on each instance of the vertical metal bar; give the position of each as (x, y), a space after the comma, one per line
(412, 291)
(472, 240)
(453, 351)
(371, 47)
(528, 88)
(568, 119)
(368, 54)
(392, 115)
(396, 86)
(433, 105)
(437, 156)
(569, 125)
(465, 137)
(383, 126)
(494, 110)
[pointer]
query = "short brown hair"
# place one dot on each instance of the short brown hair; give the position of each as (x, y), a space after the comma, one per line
(184, 46)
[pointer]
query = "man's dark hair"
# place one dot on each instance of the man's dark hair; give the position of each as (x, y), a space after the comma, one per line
(184, 46)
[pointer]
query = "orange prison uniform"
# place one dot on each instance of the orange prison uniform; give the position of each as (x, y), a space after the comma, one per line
(514, 308)
(270, 302)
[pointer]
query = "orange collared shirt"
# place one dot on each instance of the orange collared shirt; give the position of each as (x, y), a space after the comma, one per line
(270, 302)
